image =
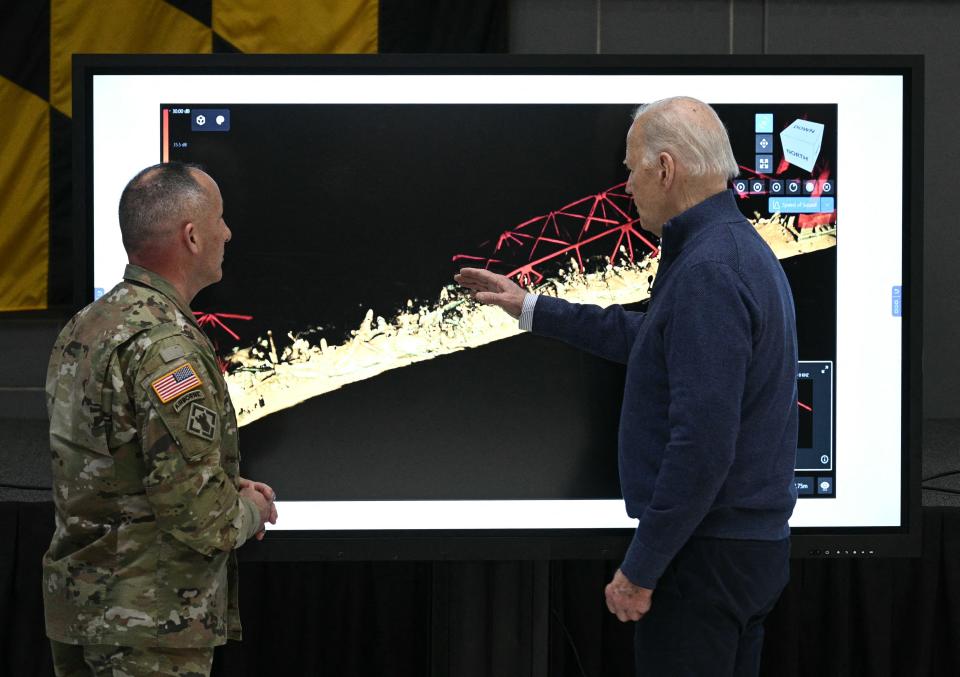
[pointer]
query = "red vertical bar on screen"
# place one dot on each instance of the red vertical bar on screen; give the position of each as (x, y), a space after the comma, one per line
(165, 151)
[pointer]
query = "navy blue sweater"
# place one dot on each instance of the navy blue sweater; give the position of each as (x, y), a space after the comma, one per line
(708, 428)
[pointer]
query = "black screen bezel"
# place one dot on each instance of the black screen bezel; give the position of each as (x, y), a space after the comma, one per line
(899, 541)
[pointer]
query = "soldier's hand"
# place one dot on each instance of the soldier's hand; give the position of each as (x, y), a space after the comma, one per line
(264, 507)
(273, 520)
(492, 289)
(267, 492)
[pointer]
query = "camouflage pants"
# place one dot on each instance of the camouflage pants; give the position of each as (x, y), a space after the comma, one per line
(94, 660)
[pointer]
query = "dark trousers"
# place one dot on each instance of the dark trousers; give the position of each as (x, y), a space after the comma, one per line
(708, 609)
(99, 660)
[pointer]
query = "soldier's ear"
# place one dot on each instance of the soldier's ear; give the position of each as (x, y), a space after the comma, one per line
(189, 235)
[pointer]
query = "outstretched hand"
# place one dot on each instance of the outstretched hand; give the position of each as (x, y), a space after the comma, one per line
(492, 289)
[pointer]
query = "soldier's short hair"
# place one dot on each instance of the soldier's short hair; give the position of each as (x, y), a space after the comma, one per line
(157, 199)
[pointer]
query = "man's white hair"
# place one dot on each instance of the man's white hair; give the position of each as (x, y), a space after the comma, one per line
(703, 149)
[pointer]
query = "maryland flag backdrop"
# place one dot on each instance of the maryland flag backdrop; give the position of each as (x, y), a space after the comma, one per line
(38, 38)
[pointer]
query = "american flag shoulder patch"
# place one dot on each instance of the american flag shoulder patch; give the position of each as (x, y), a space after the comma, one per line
(176, 382)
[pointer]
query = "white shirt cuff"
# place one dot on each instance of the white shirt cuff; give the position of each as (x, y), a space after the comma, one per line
(526, 311)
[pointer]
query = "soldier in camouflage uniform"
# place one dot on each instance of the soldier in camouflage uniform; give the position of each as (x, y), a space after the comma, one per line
(141, 574)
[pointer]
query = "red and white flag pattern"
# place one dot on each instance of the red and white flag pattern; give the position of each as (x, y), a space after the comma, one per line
(177, 382)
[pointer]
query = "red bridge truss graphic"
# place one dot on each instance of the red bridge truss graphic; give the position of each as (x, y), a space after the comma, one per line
(596, 224)
(216, 319)
(209, 320)
(600, 224)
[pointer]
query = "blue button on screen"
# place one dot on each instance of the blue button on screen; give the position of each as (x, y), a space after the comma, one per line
(794, 205)
(210, 120)
(763, 123)
(764, 163)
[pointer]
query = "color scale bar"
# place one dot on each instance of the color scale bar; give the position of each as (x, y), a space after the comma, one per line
(165, 149)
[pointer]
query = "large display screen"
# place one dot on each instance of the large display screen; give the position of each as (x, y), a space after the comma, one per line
(374, 394)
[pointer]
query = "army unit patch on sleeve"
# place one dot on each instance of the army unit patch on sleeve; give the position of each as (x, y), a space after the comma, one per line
(176, 382)
(201, 421)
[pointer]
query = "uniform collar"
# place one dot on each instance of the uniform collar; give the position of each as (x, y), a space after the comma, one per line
(148, 278)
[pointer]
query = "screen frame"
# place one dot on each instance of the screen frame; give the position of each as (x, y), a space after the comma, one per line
(808, 542)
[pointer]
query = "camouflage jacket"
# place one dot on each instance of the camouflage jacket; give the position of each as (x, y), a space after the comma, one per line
(145, 469)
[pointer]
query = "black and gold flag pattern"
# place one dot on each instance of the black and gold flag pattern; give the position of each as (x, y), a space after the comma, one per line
(39, 37)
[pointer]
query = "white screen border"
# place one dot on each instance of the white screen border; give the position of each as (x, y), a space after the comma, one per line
(126, 138)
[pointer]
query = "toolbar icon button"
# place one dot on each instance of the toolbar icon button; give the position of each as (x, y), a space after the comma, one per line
(763, 123)
(210, 120)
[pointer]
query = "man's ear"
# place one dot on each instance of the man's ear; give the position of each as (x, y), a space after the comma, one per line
(666, 169)
(188, 232)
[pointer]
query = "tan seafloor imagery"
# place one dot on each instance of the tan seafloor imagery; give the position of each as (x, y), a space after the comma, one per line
(262, 382)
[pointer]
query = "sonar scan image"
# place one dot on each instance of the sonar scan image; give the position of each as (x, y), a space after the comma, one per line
(349, 222)
(589, 251)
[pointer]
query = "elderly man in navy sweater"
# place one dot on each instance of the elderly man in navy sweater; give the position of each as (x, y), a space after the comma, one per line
(708, 428)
